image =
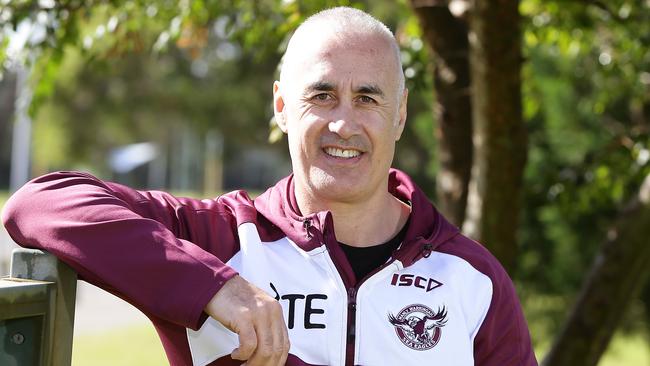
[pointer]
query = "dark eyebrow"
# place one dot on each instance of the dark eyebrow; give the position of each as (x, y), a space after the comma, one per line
(363, 89)
(369, 89)
(320, 86)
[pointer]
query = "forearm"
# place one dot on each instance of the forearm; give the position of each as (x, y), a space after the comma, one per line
(104, 236)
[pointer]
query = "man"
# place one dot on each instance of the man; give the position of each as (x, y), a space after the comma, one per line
(343, 263)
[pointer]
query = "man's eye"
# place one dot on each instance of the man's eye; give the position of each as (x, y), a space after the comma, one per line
(366, 99)
(321, 97)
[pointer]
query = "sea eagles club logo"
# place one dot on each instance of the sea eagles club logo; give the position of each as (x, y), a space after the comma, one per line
(419, 327)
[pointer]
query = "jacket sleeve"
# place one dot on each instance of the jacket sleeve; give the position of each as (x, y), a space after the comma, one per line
(163, 254)
(503, 338)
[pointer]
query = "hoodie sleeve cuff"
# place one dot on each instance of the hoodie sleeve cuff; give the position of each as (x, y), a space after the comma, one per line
(199, 316)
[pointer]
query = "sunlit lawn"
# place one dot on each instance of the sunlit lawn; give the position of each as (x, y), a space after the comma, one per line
(3, 197)
(624, 350)
(135, 345)
(139, 345)
(627, 351)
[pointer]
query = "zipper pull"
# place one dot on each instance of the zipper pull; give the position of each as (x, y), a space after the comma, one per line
(426, 250)
(352, 310)
(352, 297)
(307, 225)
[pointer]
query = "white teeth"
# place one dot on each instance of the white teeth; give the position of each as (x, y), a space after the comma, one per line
(340, 153)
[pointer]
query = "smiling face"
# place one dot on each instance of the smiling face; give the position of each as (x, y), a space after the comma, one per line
(342, 105)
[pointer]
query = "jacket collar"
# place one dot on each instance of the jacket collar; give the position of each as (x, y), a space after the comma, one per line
(427, 227)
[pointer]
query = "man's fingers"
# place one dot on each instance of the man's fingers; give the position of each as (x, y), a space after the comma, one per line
(247, 343)
(282, 341)
(263, 354)
(271, 339)
(284, 345)
(257, 319)
(280, 337)
(283, 360)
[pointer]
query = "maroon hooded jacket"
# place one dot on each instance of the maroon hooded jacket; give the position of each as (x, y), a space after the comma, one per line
(441, 299)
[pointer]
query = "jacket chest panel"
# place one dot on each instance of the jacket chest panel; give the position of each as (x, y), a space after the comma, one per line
(427, 313)
(306, 285)
(408, 325)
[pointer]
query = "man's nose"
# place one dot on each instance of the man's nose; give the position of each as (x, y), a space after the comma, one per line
(344, 123)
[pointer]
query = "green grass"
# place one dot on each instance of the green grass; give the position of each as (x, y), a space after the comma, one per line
(136, 345)
(630, 348)
(623, 350)
(139, 346)
(627, 350)
(3, 198)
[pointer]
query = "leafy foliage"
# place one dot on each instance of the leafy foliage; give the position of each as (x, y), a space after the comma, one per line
(137, 70)
(587, 105)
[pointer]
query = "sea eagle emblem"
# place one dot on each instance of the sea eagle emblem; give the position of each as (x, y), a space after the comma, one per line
(419, 327)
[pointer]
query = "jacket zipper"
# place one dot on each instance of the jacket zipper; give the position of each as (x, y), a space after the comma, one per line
(352, 326)
(350, 349)
(350, 335)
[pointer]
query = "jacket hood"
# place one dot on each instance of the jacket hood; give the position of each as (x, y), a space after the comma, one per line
(427, 227)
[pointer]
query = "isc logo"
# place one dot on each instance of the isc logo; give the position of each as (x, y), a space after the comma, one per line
(426, 284)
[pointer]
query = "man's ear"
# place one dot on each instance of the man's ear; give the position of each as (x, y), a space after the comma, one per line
(278, 107)
(402, 114)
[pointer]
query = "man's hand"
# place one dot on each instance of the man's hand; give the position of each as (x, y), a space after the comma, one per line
(258, 320)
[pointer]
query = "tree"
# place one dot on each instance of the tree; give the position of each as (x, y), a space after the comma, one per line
(446, 35)
(478, 109)
(618, 274)
(589, 127)
(495, 51)
(500, 143)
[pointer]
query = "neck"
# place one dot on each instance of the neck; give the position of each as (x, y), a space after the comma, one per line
(359, 223)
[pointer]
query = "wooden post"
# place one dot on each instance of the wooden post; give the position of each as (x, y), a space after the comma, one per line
(37, 305)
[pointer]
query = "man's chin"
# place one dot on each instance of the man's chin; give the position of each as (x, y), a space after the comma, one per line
(340, 188)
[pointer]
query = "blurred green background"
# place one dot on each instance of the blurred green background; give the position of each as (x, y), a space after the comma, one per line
(177, 95)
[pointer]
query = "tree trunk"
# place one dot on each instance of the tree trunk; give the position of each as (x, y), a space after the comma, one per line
(500, 138)
(446, 36)
(618, 273)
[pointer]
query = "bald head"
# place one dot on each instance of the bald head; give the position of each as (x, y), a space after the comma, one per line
(341, 25)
